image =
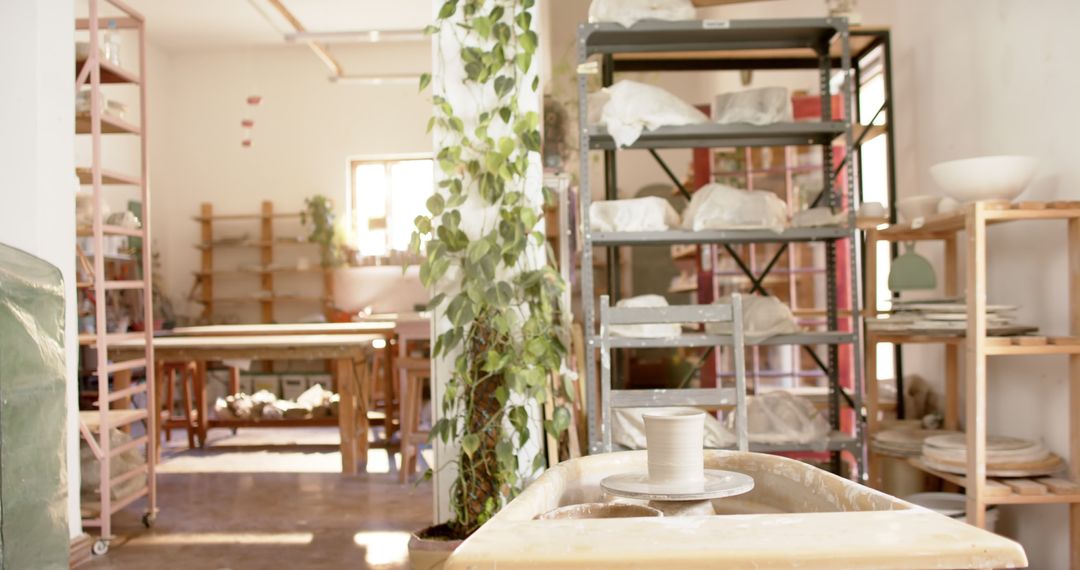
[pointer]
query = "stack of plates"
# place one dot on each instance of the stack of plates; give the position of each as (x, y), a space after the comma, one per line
(903, 442)
(1005, 456)
(947, 315)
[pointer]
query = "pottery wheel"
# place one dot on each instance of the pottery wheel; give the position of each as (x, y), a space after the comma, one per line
(717, 484)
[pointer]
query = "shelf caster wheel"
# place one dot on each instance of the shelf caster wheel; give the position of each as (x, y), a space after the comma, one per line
(100, 547)
(149, 519)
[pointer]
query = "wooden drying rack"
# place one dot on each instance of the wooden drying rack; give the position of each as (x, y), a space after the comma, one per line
(266, 244)
(975, 346)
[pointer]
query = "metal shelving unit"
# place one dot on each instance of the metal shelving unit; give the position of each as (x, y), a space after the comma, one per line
(116, 404)
(734, 45)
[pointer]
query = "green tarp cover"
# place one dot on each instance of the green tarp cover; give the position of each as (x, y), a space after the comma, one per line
(33, 415)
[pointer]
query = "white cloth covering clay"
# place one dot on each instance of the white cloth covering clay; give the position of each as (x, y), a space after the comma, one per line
(629, 12)
(656, 330)
(722, 207)
(761, 106)
(633, 215)
(628, 428)
(763, 317)
(633, 107)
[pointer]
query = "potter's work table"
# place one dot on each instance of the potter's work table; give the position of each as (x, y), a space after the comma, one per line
(374, 327)
(348, 352)
(797, 516)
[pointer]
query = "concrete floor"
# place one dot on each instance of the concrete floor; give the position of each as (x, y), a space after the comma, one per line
(235, 506)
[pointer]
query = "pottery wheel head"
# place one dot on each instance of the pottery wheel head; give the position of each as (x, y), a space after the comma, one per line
(715, 485)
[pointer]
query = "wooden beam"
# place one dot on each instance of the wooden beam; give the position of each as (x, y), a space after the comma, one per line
(318, 48)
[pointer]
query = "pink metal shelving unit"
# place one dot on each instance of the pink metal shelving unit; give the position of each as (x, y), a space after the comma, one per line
(116, 405)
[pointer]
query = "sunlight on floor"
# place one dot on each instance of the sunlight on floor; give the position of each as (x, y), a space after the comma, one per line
(221, 461)
(385, 547)
(212, 538)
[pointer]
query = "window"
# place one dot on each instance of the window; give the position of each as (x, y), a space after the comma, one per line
(875, 184)
(385, 197)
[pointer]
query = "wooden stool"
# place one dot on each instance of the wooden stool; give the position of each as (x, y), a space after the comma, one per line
(186, 373)
(415, 373)
(384, 393)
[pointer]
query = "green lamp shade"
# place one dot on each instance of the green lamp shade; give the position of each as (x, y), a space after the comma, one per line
(911, 271)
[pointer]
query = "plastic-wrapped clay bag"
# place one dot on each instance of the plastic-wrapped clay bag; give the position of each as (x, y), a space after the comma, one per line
(633, 107)
(763, 106)
(628, 427)
(665, 330)
(763, 317)
(782, 417)
(633, 215)
(629, 12)
(817, 217)
(720, 207)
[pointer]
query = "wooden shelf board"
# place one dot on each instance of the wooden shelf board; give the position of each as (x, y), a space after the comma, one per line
(90, 339)
(238, 217)
(91, 511)
(942, 226)
(109, 125)
(315, 269)
(108, 177)
(110, 74)
(253, 243)
(995, 345)
(858, 43)
(92, 418)
(274, 299)
(998, 492)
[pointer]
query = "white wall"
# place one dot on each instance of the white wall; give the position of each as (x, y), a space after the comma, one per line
(306, 129)
(37, 182)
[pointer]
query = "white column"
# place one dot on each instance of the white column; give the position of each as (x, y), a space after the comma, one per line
(446, 80)
(37, 168)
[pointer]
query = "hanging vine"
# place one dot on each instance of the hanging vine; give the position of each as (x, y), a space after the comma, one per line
(500, 293)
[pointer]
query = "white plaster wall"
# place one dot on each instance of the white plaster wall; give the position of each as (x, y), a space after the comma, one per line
(37, 181)
(306, 129)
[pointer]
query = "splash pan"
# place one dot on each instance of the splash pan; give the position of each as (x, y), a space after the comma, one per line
(796, 516)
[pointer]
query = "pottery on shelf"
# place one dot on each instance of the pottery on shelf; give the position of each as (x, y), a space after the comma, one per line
(985, 177)
(914, 207)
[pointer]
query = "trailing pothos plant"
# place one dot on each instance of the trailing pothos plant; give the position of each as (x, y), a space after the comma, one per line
(490, 267)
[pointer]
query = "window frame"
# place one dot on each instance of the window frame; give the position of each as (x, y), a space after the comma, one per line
(352, 195)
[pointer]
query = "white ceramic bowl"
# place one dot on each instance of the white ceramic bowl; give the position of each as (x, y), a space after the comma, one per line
(985, 177)
(917, 207)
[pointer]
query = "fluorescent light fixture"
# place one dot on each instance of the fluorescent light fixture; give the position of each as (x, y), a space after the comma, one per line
(357, 36)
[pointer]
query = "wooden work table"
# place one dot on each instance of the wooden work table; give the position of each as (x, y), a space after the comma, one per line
(348, 352)
(384, 328)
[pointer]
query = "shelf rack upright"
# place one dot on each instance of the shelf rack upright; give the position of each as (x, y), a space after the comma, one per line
(116, 406)
(715, 45)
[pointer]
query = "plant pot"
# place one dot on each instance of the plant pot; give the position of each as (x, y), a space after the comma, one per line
(429, 548)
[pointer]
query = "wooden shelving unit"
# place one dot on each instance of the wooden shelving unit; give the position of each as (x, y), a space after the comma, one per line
(116, 400)
(975, 346)
(266, 244)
